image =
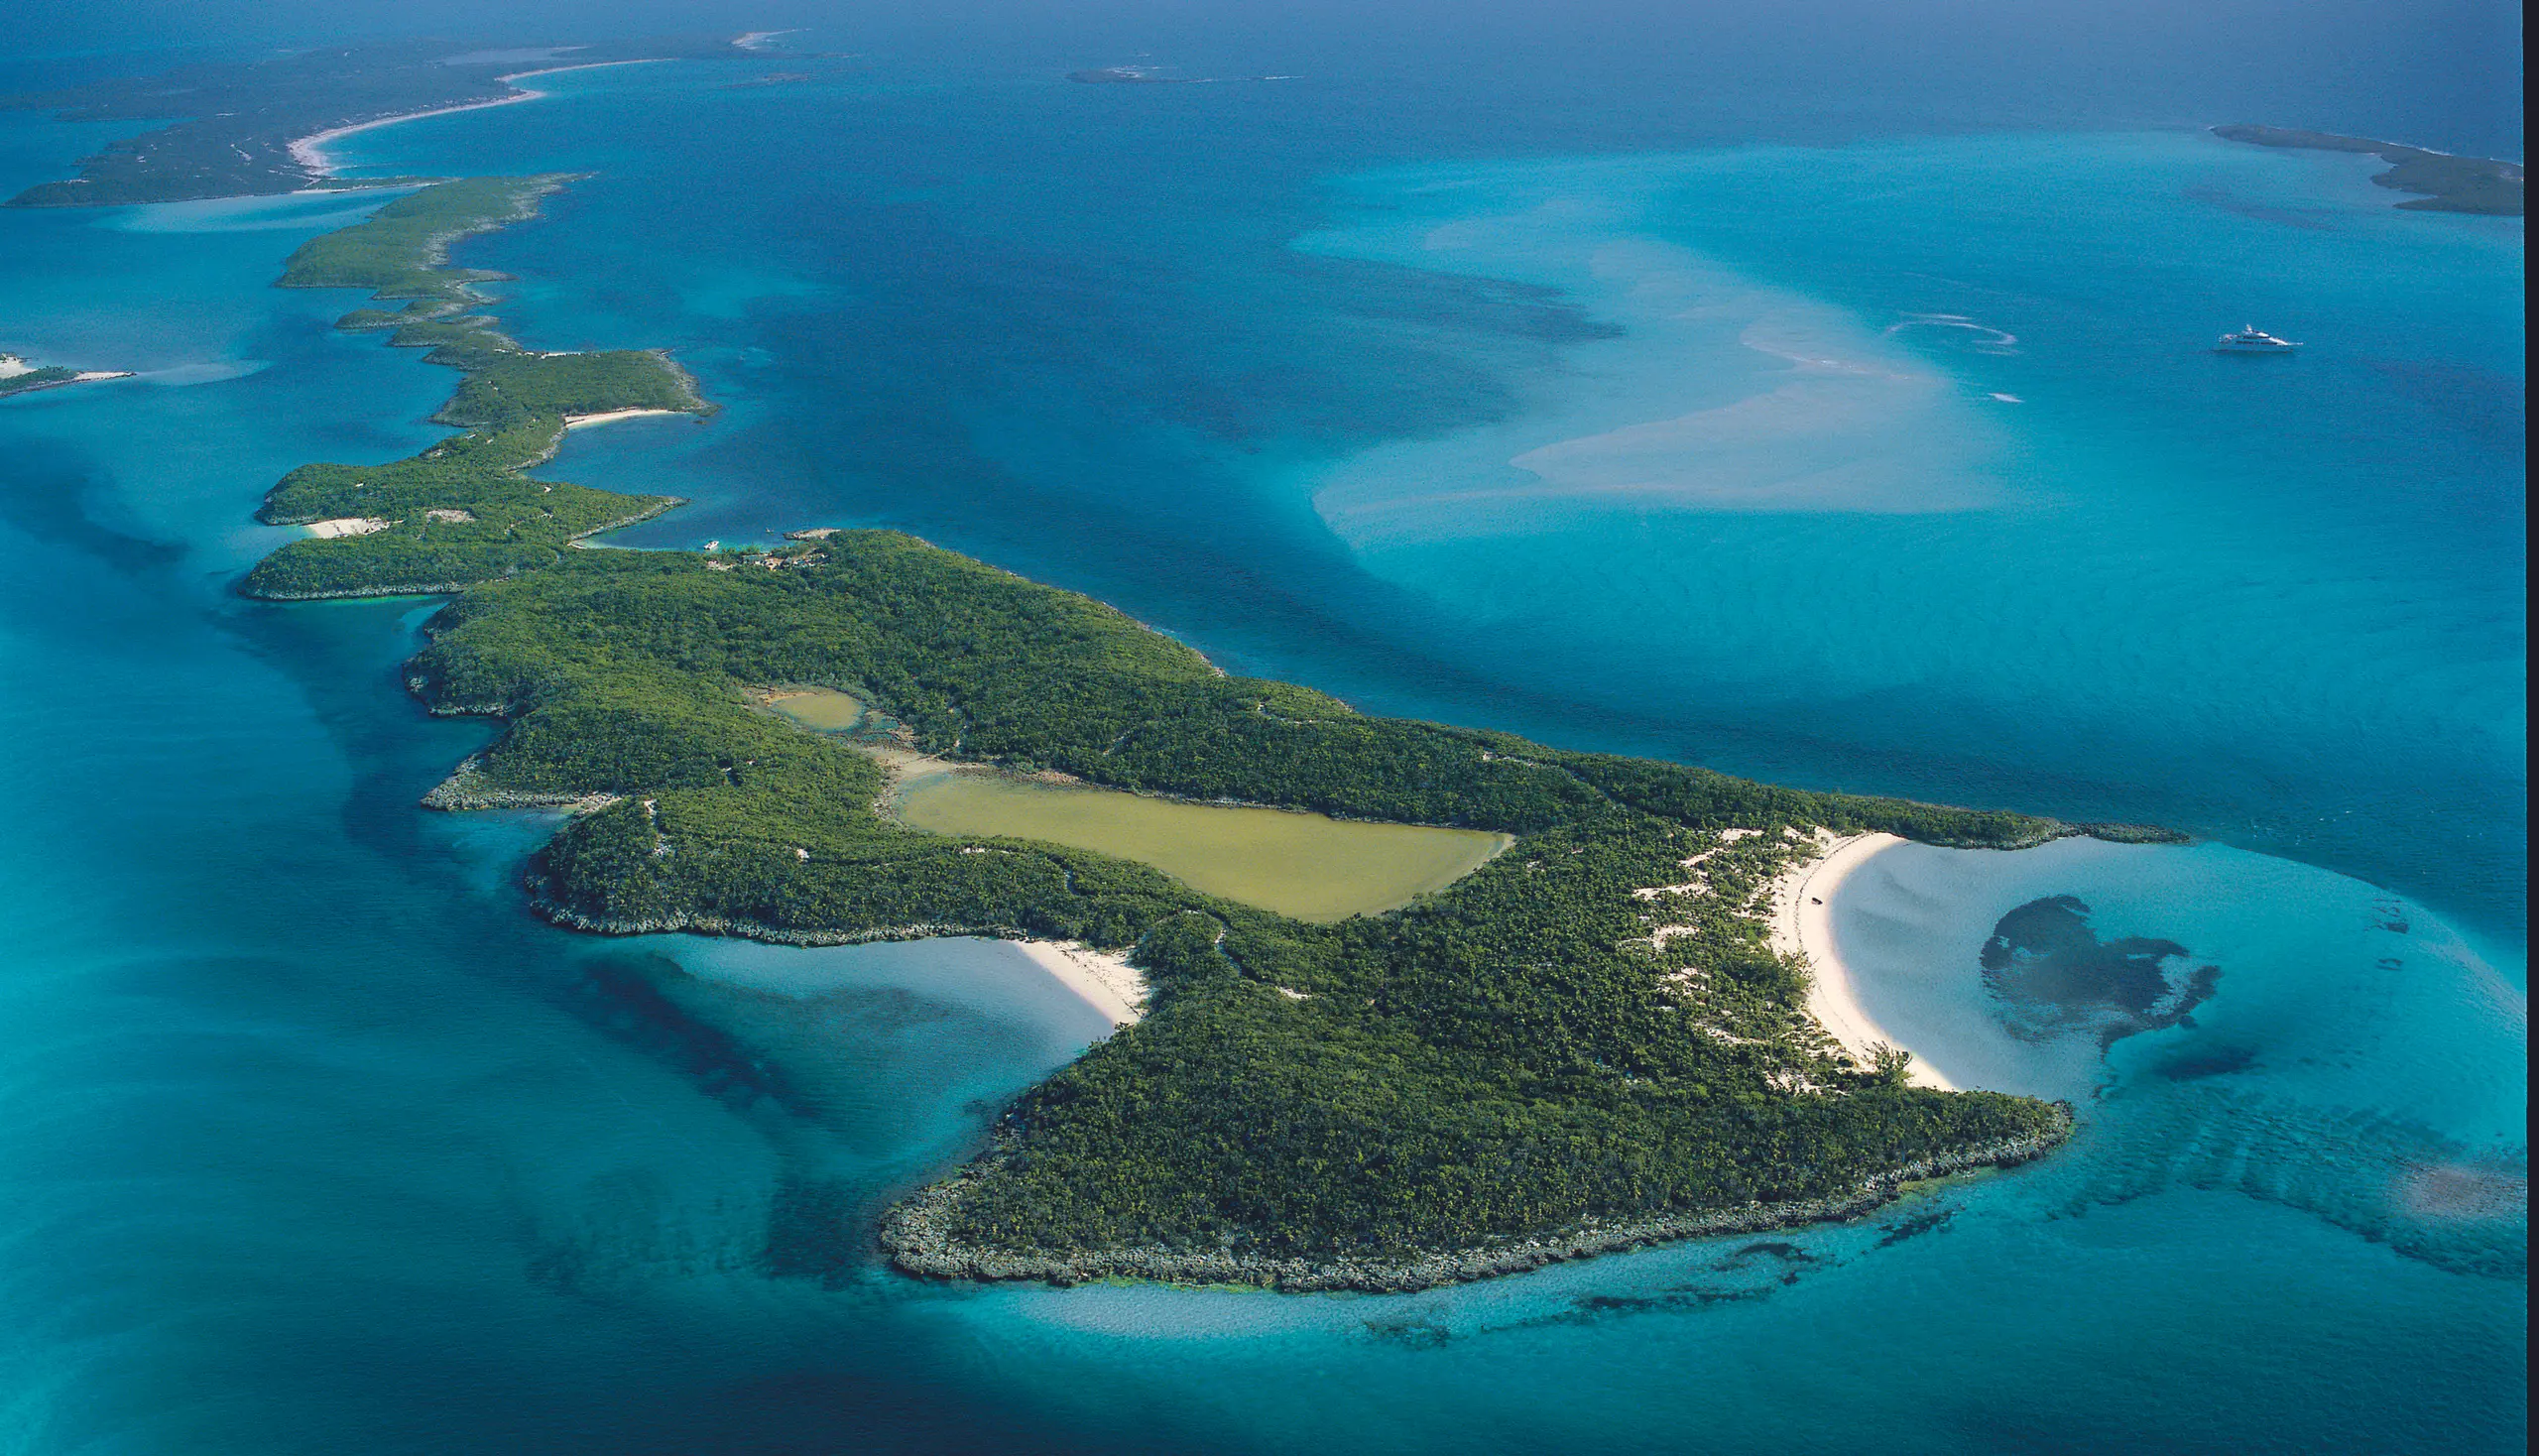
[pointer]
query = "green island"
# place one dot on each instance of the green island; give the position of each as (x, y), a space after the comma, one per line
(462, 511)
(2481, 185)
(18, 377)
(25, 381)
(1581, 1044)
(235, 123)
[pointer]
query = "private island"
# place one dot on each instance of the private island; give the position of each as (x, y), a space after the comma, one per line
(1396, 1004)
(1494, 1004)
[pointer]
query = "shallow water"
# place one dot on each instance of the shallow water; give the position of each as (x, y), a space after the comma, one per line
(1310, 866)
(318, 1142)
(820, 710)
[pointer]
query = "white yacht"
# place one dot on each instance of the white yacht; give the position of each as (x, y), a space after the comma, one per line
(2253, 340)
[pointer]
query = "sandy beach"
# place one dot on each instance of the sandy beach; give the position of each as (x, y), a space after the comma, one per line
(1104, 979)
(345, 526)
(310, 151)
(1803, 925)
(583, 422)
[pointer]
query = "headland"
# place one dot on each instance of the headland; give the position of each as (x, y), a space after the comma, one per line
(260, 127)
(18, 377)
(2481, 185)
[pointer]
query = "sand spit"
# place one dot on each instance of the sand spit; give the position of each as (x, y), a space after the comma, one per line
(310, 151)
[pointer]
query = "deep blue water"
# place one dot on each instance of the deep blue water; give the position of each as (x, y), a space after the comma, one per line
(316, 1142)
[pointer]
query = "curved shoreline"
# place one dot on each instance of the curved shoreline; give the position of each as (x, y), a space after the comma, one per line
(310, 151)
(1803, 926)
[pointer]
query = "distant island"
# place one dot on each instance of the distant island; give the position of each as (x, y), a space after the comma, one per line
(2478, 185)
(18, 377)
(1126, 76)
(1584, 1041)
(245, 129)
(1144, 76)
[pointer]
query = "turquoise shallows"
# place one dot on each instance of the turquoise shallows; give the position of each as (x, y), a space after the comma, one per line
(1900, 465)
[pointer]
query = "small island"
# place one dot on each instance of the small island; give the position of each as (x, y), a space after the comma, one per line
(1567, 1029)
(2478, 185)
(18, 377)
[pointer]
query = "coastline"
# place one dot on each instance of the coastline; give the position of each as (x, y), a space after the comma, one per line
(1803, 926)
(310, 151)
(912, 1235)
(1103, 978)
(85, 376)
(611, 417)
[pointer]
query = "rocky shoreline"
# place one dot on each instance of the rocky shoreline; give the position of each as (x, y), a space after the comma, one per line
(555, 911)
(467, 788)
(913, 1235)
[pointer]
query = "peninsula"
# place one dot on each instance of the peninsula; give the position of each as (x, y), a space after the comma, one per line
(461, 512)
(2448, 184)
(1585, 1040)
(18, 377)
(254, 127)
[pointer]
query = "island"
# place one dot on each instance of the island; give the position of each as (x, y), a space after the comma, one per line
(2479, 185)
(18, 377)
(462, 511)
(1567, 1029)
(256, 128)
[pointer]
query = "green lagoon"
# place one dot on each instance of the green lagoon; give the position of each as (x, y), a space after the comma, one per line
(821, 709)
(1308, 865)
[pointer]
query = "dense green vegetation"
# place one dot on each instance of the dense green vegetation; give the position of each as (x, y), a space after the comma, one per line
(1515, 1053)
(236, 119)
(397, 251)
(1592, 1025)
(512, 389)
(44, 377)
(462, 511)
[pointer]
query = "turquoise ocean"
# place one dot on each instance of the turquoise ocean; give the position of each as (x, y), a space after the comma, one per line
(1883, 458)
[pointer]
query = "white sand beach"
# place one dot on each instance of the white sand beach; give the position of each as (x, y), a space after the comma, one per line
(310, 151)
(1104, 979)
(347, 525)
(1803, 925)
(610, 416)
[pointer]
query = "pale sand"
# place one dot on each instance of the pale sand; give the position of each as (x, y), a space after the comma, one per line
(310, 151)
(580, 422)
(1104, 979)
(1803, 925)
(346, 526)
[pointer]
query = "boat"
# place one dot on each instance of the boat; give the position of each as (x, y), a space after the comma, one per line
(2253, 340)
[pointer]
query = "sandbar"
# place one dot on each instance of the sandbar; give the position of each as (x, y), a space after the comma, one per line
(1803, 925)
